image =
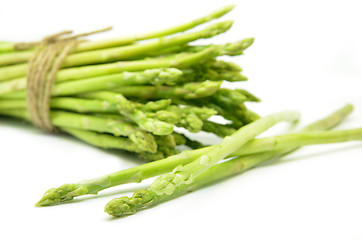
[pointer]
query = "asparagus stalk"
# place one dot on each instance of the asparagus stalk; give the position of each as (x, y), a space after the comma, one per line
(104, 69)
(145, 141)
(13, 71)
(129, 109)
(125, 40)
(125, 52)
(104, 140)
(150, 76)
(147, 198)
(186, 91)
(122, 53)
(203, 102)
(67, 192)
(218, 129)
(300, 139)
(159, 122)
(167, 183)
(178, 61)
(6, 47)
(142, 199)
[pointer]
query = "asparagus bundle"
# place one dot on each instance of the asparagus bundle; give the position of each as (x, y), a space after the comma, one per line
(135, 95)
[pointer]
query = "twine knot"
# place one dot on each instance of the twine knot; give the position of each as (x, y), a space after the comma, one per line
(43, 66)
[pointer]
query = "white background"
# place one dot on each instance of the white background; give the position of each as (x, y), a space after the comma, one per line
(307, 56)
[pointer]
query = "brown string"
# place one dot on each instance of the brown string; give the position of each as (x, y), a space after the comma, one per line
(54, 37)
(42, 69)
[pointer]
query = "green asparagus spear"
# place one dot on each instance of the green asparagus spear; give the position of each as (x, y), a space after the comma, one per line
(144, 140)
(142, 199)
(157, 122)
(167, 183)
(67, 192)
(6, 47)
(147, 198)
(182, 60)
(104, 140)
(150, 76)
(218, 129)
(125, 40)
(125, 52)
(130, 110)
(186, 91)
(103, 69)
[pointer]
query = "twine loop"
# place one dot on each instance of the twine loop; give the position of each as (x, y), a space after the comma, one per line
(43, 66)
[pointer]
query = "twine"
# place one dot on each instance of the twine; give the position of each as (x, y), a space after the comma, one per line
(43, 66)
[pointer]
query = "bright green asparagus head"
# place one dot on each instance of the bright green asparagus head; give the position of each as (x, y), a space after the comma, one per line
(233, 77)
(192, 123)
(150, 157)
(203, 113)
(167, 183)
(179, 139)
(157, 127)
(222, 11)
(157, 105)
(224, 66)
(166, 76)
(167, 116)
(63, 193)
(236, 48)
(167, 140)
(217, 28)
(124, 206)
(200, 90)
(144, 141)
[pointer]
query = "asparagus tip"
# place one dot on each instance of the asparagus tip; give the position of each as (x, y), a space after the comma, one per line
(63, 193)
(167, 183)
(166, 76)
(222, 11)
(217, 28)
(123, 206)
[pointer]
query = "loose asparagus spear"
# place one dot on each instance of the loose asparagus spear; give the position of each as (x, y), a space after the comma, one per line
(67, 192)
(142, 199)
(147, 198)
(167, 183)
